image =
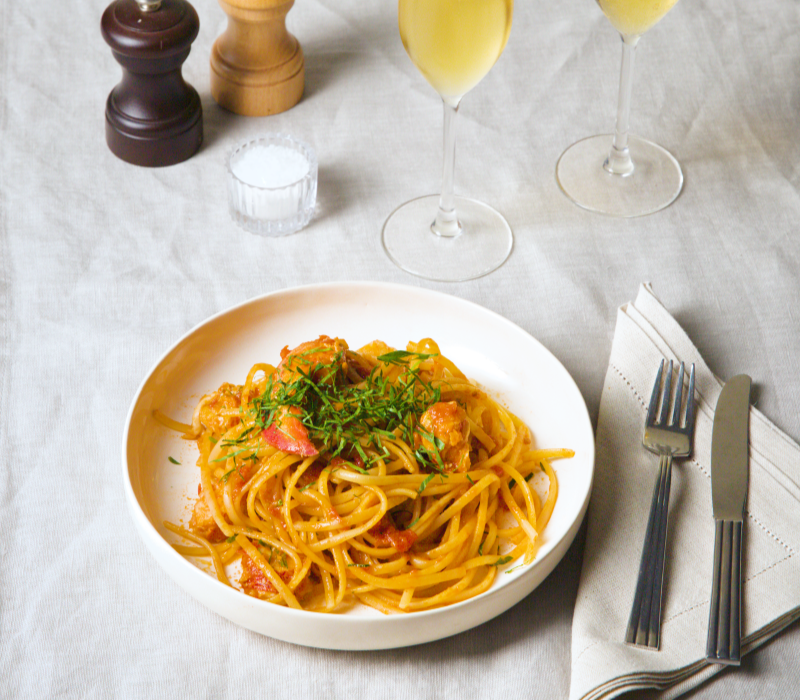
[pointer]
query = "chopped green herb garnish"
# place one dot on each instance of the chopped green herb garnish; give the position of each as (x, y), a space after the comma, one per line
(360, 566)
(173, 460)
(231, 539)
(241, 439)
(513, 483)
(425, 482)
(345, 418)
(230, 455)
(503, 560)
(394, 357)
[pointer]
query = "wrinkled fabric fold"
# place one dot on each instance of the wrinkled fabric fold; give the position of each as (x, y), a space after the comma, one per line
(603, 666)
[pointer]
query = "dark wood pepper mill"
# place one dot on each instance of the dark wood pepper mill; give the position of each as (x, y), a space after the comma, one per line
(153, 117)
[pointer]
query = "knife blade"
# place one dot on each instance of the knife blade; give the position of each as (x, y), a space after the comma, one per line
(729, 479)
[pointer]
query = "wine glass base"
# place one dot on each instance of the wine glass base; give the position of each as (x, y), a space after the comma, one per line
(655, 182)
(483, 245)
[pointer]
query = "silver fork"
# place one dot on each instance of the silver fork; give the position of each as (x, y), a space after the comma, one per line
(669, 437)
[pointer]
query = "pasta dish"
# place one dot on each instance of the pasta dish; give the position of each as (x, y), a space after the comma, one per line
(378, 476)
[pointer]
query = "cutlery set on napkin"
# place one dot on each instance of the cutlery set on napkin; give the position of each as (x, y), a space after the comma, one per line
(723, 577)
(668, 433)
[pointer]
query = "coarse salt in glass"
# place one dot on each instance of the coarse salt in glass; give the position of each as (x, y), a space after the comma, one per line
(272, 184)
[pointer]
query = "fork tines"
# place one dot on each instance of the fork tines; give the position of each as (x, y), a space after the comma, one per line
(667, 400)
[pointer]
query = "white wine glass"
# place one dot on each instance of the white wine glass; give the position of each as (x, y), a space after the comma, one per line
(620, 174)
(444, 237)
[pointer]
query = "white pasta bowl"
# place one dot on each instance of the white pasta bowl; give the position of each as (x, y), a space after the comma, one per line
(505, 360)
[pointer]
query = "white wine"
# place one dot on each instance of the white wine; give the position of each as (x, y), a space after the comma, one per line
(634, 17)
(454, 43)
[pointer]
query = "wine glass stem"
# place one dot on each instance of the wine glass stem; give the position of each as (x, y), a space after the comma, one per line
(619, 158)
(446, 223)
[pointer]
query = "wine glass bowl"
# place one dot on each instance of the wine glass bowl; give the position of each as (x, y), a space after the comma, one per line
(454, 54)
(454, 44)
(620, 174)
(634, 17)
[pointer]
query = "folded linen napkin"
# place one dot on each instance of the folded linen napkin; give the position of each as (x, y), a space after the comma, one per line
(603, 666)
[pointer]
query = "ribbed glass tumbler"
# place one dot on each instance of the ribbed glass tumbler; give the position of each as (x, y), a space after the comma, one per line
(272, 184)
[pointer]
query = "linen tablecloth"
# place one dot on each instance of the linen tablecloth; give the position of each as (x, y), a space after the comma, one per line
(103, 265)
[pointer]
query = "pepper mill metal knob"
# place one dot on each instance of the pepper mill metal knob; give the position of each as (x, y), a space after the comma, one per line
(153, 117)
(257, 67)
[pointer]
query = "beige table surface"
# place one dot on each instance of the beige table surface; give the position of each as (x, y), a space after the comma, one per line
(104, 265)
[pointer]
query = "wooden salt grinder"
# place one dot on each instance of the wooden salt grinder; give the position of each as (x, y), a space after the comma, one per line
(153, 117)
(257, 67)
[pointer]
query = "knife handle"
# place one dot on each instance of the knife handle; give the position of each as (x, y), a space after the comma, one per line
(724, 620)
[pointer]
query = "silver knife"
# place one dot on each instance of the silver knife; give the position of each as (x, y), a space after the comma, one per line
(729, 475)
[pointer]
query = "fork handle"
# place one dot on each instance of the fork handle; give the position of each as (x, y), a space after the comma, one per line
(644, 624)
(724, 620)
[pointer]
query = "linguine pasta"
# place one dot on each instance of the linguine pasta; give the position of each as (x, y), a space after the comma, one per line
(381, 476)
